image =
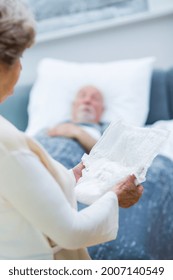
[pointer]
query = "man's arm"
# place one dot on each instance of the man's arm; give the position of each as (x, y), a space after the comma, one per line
(73, 131)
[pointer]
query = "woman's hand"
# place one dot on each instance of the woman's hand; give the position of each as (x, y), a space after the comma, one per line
(77, 170)
(127, 192)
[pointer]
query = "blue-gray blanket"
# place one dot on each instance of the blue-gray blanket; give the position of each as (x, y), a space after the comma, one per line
(145, 229)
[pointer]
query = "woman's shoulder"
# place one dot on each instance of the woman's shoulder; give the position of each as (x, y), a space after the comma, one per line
(6, 126)
(10, 137)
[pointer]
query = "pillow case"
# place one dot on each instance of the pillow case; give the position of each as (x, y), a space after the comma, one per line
(125, 86)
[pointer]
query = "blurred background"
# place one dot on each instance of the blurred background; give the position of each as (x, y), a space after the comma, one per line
(100, 31)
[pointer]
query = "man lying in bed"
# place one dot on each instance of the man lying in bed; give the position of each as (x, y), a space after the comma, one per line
(67, 142)
(145, 230)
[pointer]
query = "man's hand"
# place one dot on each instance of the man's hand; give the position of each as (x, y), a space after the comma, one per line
(77, 170)
(68, 130)
(73, 131)
(127, 192)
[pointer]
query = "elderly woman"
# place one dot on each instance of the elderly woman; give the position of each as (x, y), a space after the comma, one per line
(38, 216)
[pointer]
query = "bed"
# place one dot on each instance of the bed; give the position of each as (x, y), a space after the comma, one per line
(145, 230)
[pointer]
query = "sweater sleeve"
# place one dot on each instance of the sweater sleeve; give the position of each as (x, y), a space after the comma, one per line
(28, 186)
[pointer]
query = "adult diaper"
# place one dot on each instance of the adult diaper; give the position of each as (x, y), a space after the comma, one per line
(122, 150)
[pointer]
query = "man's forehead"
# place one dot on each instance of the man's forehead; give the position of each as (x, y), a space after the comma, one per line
(89, 90)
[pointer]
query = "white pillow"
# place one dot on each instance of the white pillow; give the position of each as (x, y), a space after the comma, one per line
(125, 86)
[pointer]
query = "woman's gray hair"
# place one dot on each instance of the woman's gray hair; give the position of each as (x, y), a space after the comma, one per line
(17, 30)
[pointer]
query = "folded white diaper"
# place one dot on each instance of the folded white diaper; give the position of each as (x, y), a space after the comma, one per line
(122, 150)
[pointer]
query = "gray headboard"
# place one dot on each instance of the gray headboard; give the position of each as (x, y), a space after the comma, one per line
(161, 98)
(161, 101)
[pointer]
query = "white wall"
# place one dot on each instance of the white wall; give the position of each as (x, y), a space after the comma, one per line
(136, 39)
(160, 4)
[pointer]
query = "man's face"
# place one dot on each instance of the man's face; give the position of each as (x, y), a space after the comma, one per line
(88, 105)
